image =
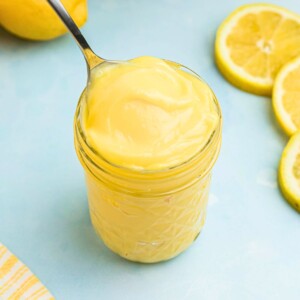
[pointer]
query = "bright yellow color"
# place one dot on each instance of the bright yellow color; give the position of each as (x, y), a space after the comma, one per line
(289, 171)
(286, 96)
(145, 114)
(36, 20)
(146, 226)
(137, 121)
(17, 281)
(254, 42)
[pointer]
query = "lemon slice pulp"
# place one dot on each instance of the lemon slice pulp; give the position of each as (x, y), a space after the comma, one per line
(289, 171)
(286, 97)
(254, 42)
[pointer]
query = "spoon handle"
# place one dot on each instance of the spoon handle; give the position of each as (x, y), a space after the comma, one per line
(91, 58)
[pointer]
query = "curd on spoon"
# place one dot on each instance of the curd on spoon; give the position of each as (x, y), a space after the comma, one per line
(145, 114)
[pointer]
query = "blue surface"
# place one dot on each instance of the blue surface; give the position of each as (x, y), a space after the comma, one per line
(249, 248)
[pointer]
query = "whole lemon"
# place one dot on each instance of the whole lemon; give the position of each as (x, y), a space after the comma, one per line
(36, 20)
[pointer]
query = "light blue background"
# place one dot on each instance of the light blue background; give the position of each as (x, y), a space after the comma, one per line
(249, 248)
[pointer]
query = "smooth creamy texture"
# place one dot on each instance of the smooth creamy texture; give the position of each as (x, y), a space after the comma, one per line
(146, 114)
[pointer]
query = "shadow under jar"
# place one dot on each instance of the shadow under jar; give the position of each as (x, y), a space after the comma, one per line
(148, 215)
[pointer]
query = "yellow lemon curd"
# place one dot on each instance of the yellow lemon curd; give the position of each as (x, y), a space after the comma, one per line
(147, 133)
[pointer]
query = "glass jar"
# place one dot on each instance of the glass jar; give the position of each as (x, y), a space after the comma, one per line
(147, 216)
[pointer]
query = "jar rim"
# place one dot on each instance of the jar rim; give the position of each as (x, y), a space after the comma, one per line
(77, 123)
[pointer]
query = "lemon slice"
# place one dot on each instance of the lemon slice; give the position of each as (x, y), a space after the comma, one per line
(289, 171)
(286, 96)
(254, 42)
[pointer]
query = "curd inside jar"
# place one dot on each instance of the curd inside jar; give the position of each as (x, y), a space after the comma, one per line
(147, 133)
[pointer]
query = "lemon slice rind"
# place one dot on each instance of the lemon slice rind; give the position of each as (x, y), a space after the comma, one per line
(289, 184)
(231, 71)
(282, 116)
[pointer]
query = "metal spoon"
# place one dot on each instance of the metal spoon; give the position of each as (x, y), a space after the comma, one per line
(92, 60)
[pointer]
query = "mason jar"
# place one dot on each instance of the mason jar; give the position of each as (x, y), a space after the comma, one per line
(147, 216)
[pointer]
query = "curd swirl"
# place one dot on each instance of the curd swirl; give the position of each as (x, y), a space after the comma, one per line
(147, 133)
